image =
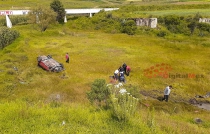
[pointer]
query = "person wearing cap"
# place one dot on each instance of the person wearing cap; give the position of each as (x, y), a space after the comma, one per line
(167, 93)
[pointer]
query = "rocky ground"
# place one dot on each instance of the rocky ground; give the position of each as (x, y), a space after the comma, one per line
(198, 100)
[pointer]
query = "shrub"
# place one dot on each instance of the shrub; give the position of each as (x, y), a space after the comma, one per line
(162, 33)
(99, 93)
(129, 27)
(19, 20)
(7, 36)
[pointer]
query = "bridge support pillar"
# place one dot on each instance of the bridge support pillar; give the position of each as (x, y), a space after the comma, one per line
(90, 14)
(65, 20)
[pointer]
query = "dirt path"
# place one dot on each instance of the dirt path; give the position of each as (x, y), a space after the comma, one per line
(158, 95)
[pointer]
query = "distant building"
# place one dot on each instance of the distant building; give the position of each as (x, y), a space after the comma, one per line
(149, 22)
(205, 20)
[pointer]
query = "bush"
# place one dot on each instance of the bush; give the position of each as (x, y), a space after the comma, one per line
(162, 33)
(16, 20)
(129, 27)
(19, 20)
(7, 36)
(99, 93)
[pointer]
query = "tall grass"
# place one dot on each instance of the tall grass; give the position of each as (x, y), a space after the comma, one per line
(36, 101)
(21, 117)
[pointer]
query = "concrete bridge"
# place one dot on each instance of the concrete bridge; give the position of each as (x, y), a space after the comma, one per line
(90, 12)
(68, 11)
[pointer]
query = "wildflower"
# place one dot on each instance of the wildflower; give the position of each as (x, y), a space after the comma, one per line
(116, 86)
(122, 91)
(120, 84)
(63, 123)
(108, 85)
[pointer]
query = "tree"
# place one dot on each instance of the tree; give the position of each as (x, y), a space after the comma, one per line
(42, 17)
(57, 6)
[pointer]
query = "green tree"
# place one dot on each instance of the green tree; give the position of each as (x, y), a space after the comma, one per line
(57, 6)
(42, 17)
(99, 93)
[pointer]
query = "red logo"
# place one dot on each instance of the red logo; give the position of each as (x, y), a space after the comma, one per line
(159, 70)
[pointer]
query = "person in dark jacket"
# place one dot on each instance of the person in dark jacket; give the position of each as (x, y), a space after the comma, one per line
(121, 77)
(124, 66)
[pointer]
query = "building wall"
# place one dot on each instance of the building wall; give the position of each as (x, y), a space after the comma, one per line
(149, 22)
(205, 20)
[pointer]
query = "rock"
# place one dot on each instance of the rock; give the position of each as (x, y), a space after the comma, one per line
(198, 96)
(207, 95)
(160, 98)
(193, 101)
(198, 120)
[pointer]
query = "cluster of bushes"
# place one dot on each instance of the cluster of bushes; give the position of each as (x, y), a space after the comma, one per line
(122, 101)
(7, 36)
(175, 24)
(184, 25)
(106, 22)
(16, 20)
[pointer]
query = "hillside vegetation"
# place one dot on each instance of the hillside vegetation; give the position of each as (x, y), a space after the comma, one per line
(33, 100)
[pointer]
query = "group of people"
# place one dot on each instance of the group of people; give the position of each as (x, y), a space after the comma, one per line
(119, 74)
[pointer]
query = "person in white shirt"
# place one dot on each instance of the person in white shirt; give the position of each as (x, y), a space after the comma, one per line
(116, 74)
(167, 93)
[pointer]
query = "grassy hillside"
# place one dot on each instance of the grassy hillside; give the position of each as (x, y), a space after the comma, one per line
(35, 101)
(96, 55)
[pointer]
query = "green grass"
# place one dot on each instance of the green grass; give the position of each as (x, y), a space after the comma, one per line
(184, 12)
(36, 101)
(31, 92)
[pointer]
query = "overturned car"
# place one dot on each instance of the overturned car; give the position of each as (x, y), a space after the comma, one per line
(49, 64)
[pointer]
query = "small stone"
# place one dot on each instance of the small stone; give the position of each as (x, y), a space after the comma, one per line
(198, 120)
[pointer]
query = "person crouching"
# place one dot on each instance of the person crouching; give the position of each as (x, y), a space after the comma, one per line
(122, 77)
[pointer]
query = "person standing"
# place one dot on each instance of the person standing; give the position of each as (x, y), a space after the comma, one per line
(67, 58)
(167, 93)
